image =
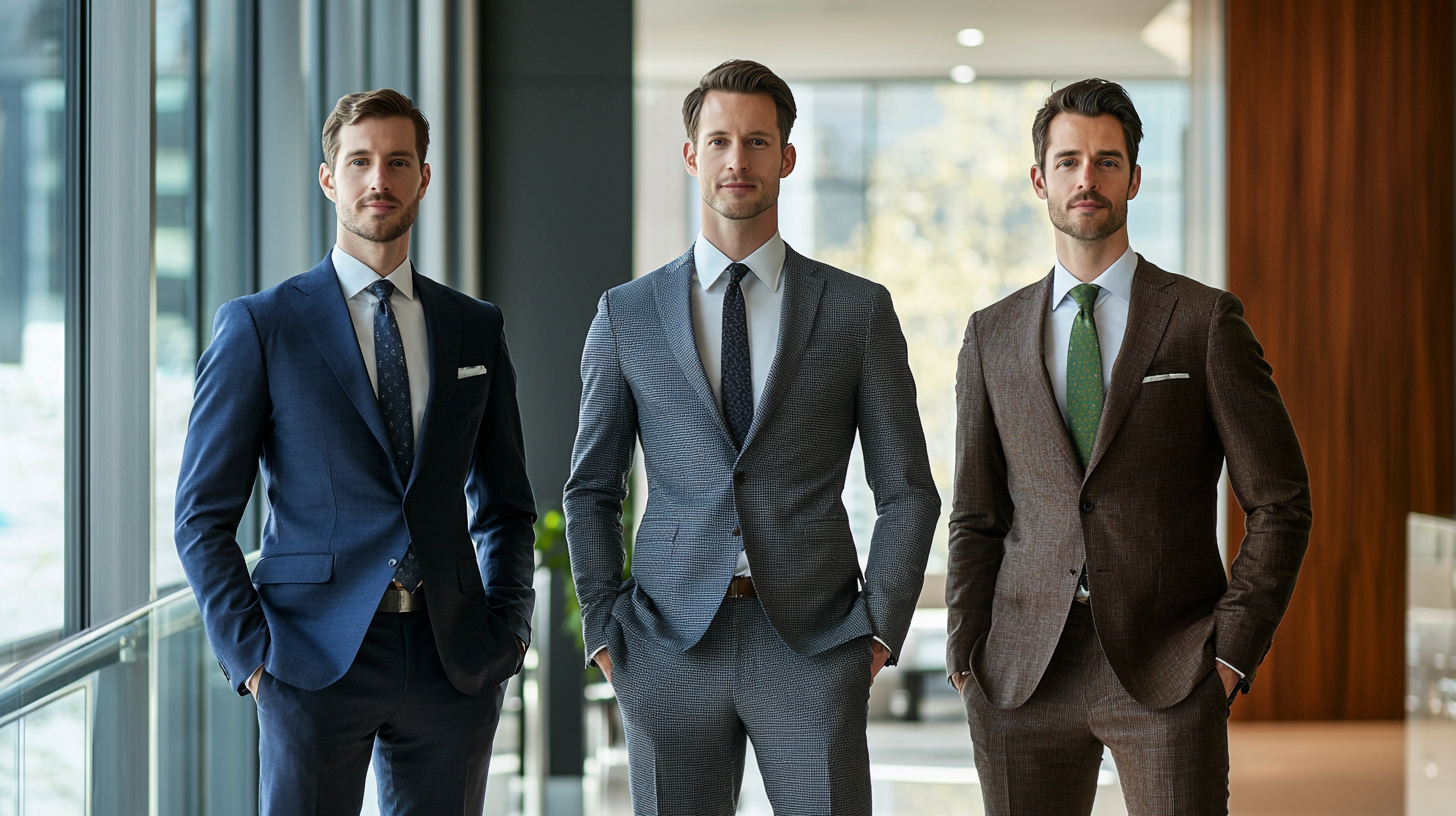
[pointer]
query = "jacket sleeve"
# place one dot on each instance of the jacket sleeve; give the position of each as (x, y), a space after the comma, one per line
(981, 511)
(502, 507)
(897, 470)
(1266, 468)
(600, 465)
(225, 434)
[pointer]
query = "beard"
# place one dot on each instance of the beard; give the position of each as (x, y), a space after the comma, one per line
(1085, 229)
(740, 210)
(376, 228)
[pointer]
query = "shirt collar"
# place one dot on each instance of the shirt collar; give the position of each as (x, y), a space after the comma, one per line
(1115, 279)
(355, 277)
(767, 262)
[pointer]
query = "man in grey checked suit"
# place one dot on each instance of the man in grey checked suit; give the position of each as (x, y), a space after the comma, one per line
(1088, 603)
(746, 369)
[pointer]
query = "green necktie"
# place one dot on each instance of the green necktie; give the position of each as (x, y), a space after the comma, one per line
(1084, 373)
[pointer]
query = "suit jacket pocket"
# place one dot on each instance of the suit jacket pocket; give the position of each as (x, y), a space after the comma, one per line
(470, 581)
(294, 568)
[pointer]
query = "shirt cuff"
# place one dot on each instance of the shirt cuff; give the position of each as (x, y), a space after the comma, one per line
(882, 643)
(593, 657)
(1231, 666)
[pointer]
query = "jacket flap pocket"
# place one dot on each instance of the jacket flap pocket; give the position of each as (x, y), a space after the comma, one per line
(294, 568)
(470, 581)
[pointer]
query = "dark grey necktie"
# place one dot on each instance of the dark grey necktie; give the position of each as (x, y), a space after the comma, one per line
(394, 401)
(737, 370)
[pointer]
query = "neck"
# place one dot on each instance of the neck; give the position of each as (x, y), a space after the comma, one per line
(382, 258)
(1088, 259)
(739, 238)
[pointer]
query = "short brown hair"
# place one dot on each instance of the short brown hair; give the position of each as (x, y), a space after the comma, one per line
(1090, 97)
(745, 77)
(379, 104)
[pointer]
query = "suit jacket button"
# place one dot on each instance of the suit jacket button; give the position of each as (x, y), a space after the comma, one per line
(737, 531)
(393, 562)
(1087, 506)
(740, 477)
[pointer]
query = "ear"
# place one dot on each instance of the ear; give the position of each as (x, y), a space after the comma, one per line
(424, 182)
(1038, 182)
(790, 160)
(1137, 181)
(326, 182)
(690, 159)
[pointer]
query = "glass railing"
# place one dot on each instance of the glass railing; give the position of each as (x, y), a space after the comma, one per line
(134, 717)
(1430, 697)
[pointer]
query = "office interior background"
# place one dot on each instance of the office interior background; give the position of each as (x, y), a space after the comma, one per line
(158, 158)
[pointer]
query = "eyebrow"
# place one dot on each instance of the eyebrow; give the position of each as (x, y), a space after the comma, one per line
(758, 133)
(1065, 153)
(408, 154)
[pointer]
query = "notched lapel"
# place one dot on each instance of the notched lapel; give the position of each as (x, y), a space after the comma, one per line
(442, 325)
(1147, 321)
(1033, 359)
(321, 308)
(671, 291)
(803, 288)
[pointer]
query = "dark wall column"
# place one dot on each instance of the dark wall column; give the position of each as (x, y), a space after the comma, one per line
(1339, 243)
(556, 229)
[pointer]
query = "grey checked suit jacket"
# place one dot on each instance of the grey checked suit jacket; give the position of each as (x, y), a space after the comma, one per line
(1142, 517)
(840, 367)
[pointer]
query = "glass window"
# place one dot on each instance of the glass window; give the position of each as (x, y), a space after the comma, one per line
(34, 269)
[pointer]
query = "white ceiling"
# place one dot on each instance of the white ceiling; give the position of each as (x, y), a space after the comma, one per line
(679, 40)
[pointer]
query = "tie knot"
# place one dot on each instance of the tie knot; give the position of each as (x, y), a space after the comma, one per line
(381, 289)
(738, 271)
(1085, 295)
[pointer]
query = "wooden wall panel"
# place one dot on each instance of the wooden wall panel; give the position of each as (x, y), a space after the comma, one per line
(1340, 223)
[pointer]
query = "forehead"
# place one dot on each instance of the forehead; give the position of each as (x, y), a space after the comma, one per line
(724, 111)
(376, 134)
(1073, 131)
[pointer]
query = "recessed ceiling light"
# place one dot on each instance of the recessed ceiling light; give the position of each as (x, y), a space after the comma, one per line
(963, 74)
(970, 37)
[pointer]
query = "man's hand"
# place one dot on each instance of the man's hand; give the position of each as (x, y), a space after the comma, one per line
(1229, 677)
(252, 683)
(958, 680)
(879, 654)
(604, 662)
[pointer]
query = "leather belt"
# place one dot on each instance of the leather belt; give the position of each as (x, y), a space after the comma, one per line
(741, 587)
(401, 600)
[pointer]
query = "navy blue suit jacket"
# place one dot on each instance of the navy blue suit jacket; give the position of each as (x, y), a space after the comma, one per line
(284, 384)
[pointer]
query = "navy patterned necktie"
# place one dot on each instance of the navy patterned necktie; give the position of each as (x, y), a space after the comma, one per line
(392, 374)
(737, 370)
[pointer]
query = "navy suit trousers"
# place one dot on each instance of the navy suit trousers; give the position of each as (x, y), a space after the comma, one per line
(430, 743)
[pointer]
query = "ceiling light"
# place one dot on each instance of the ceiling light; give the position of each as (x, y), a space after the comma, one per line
(963, 74)
(970, 37)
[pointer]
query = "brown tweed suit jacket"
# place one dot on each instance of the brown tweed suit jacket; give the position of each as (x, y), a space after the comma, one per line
(1142, 517)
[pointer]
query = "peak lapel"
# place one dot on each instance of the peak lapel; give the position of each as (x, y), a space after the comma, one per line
(671, 291)
(320, 306)
(1033, 359)
(442, 325)
(1147, 320)
(803, 288)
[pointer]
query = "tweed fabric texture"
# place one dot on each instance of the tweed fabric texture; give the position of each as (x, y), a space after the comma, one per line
(394, 402)
(687, 716)
(1042, 758)
(737, 366)
(1084, 373)
(1141, 516)
(841, 368)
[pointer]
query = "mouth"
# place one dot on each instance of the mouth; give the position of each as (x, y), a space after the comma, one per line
(379, 207)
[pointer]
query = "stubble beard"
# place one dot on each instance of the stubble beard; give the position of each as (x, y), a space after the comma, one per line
(1078, 228)
(741, 210)
(380, 230)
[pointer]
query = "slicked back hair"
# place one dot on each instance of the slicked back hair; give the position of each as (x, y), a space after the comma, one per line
(745, 77)
(379, 104)
(1090, 97)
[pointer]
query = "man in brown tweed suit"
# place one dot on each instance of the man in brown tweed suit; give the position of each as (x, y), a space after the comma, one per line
(1089, 606)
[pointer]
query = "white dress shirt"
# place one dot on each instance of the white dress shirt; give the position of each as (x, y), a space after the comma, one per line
(763, 299)
(355, 279)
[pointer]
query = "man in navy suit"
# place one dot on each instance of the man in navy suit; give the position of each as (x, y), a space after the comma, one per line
(393, 597)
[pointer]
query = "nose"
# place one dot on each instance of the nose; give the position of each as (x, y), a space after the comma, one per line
(379, 177)
(1087, 178)
(738, 157)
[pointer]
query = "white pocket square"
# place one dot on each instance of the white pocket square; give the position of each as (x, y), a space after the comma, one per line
(1153, 378)
(476, 371)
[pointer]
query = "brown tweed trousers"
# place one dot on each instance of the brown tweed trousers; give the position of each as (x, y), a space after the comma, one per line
(1190, 388)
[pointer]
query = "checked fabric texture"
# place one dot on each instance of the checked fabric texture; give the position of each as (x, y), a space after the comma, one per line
(394, 402)
(1084, 373)
(737, 368)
